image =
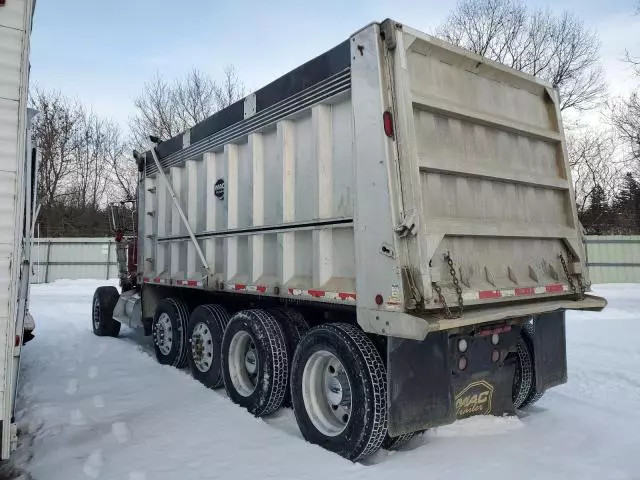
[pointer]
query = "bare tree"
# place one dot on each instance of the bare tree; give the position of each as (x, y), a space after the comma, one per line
(625, 113)
(625, 116)
(596, 168)
(166, 109)
(56, 131)
(555, 48)
(79, 153)
(90, 177)
(230, 90)
(156, 112)
(124, 172)
(193, 99)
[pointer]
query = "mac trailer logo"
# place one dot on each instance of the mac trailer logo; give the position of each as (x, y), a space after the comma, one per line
(218, 189)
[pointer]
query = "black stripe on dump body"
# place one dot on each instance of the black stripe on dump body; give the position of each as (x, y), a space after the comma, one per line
(332, 86)
(305, 76)
(611, 264)
(310, 225)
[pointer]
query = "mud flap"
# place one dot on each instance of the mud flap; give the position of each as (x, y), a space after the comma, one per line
(427, 388)
(550, 350)
(419, 383)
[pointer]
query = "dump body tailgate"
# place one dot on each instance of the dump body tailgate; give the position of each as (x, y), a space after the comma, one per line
(483, 171)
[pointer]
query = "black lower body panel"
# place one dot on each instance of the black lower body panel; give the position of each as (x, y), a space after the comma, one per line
(550, 350)
(419, 384)
(432, 383)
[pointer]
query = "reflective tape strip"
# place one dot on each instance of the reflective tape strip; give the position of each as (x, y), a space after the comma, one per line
(189, 283)
(515, 292)
(256, 288)
(342, 296)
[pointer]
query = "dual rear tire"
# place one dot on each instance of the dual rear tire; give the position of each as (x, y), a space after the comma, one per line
(525, 392)
(255, 362)
(338, 386)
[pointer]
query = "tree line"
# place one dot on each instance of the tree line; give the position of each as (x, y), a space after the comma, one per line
(86, 158)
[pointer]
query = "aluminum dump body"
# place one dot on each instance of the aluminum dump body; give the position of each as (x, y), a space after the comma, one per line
(378, 175)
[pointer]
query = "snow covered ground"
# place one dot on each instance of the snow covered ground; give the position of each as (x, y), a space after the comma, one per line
(103, 408)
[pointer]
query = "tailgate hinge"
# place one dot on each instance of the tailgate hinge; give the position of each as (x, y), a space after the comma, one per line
(413, 297)
(408, 225)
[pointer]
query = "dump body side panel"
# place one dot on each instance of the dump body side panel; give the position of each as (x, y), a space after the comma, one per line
(268, 193)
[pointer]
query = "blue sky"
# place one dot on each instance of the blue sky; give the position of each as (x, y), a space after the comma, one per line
(102, 52)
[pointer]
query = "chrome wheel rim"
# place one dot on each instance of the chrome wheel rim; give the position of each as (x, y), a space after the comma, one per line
(96, 314)
(326, 392)
(164, 333)
(243, 363)
(202, 347)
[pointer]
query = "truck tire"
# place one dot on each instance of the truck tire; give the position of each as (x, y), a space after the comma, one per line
(104, 301)
(255, 366)
(339, 390)
(169, 332)
(395, 443)
(528, 333)
(205, 329)
(524, 382)
(523, 375)
(294, 327)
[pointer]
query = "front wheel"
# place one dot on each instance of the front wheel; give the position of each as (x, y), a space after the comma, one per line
(338, 386)
(104, 301)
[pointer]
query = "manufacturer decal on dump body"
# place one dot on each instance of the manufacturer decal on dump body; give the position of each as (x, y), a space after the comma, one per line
(218, 189)
(474, 399)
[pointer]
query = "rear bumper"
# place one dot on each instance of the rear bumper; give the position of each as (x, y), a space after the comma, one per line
(516, 310)
(417, 327)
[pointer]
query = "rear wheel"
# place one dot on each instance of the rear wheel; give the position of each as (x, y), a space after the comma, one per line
(169, 331)
(524, 382)
(528, 333)
(338, 386)
(206, 327)
(255, 366)
(294, 327)
(104, 301)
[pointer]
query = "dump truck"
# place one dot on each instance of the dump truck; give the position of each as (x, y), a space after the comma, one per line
(384, 239)
(18, 171)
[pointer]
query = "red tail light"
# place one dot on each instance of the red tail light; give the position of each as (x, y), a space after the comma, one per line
(387, 120)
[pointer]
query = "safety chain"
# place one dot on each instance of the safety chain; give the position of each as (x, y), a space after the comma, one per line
(447, 311)
(574, 289)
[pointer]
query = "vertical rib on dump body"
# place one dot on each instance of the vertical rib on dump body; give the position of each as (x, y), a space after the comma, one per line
(297, 192)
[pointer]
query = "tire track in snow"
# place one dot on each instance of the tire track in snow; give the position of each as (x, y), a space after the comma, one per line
(120, 430)
(93, 465)
(72, 387)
